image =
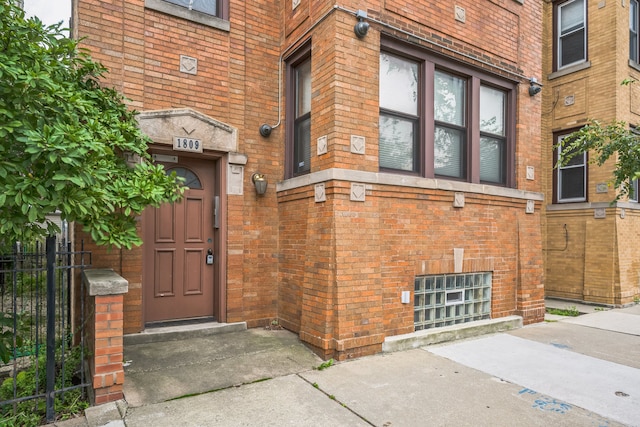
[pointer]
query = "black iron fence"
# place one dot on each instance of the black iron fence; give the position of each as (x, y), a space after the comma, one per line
(42, 344)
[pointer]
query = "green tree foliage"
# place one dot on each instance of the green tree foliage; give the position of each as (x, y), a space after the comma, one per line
(8, 340)
(65, 139)
(614, 141)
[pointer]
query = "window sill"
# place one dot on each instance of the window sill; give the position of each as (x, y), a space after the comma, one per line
(382, 178)
(587, 205)
(190, 15)
(634, 65)
(569, 70)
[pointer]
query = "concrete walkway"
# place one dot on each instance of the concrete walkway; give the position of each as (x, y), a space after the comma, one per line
(574, 371)
(157, 372)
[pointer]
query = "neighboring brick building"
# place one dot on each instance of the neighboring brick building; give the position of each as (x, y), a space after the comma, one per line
(403, 163)
(591, 244)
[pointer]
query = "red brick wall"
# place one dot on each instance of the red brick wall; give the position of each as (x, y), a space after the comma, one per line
(106, 366)
(141, 48)
(344, 264)
(103, 336)
(333, 271)
(126, 263)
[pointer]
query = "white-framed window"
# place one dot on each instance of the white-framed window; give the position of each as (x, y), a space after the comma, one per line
(634, 188)
(633, 191)
(634, 46)
(571, 179)
(571, 33)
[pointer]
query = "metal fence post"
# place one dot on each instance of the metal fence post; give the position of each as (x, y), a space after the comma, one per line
(51, 325)
(30, 271)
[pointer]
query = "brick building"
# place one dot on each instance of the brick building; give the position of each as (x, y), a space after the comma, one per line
(590, 244)
(399, 145)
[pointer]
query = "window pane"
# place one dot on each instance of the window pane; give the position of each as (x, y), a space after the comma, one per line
(571, 16)
(191, 180)
(398, 84)
(397, 143)
(572, 183)
(633, 190)
(572, 48)
(449, 99)
(206, 6)
(633, 30)
(448, 150)
(492, 110)
(302, 146)
(571, 177)
(491, 160)
(571, 34)
(576, 160)
(303, 88)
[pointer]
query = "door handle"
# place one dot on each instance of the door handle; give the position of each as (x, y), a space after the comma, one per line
(216, 209)
(209, 256)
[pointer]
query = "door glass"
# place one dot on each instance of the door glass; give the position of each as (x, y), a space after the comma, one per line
(191, 180)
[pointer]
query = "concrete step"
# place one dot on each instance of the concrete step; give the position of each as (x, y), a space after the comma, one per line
(450, 333)
(178, 332)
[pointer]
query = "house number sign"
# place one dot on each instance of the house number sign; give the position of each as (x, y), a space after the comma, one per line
(181, 143)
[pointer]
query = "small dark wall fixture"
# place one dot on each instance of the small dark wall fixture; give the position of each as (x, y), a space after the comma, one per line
(265, 130)
(534, 86)
(362, 27)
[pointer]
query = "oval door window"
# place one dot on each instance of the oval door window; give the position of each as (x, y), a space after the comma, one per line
(191, 180)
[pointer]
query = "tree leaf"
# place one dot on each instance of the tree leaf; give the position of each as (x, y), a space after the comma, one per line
(61, 139)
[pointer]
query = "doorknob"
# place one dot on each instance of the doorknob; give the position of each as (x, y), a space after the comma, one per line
(209, 256)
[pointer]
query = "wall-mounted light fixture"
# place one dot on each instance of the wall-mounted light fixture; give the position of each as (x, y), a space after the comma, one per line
(260, 182)
(265, 130)
(534, 86)
(362, 26)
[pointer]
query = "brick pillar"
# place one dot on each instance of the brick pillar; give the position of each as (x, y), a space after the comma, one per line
(106, 291)
(530, 288)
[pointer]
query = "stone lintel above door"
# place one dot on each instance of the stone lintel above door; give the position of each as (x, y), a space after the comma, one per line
(163, 126)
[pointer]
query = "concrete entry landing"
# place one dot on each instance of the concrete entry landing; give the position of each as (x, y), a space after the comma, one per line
(171, 362)
(182, 331)
(162, 365)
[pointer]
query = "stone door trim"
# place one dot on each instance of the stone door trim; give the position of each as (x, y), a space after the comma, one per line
(162, 126)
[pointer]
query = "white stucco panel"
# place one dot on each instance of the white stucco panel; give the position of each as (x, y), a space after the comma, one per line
(162, 126)
(235, 178)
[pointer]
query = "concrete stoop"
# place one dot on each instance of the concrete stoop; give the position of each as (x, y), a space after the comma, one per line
(450, 333)
(173, 333)
(112, 414)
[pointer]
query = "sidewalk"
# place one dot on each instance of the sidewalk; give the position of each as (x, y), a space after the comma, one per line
(573, 371)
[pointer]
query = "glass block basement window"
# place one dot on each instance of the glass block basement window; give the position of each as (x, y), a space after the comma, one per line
(448, 299)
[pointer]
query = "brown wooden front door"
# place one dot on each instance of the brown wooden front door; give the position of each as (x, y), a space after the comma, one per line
(178, 240)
